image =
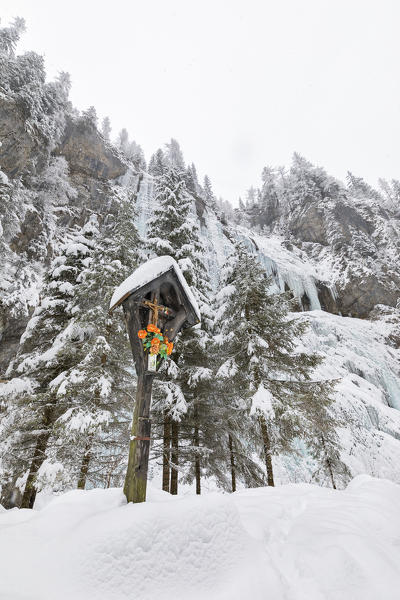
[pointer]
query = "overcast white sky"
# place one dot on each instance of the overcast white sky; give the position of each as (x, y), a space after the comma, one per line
(239, 84)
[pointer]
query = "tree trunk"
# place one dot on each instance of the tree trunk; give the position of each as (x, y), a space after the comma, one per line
(29, 495)
(328, 463)
(267, 450)
(233, 467)
(166, 451)
(197, 468)
(174, 456)
(139, 448)
(85, 463)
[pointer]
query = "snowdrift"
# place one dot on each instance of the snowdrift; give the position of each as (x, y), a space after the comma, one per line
(294, 542)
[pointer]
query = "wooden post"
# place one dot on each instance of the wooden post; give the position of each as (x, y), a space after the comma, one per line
(176, 311)
(139, 447)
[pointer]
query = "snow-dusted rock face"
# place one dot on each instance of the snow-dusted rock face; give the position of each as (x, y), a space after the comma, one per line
(19, 150)
(87, 153)
(41, 198)
(367, 371)
(354, 243)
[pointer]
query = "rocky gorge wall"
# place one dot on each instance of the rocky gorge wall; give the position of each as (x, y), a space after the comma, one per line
(44, 190)
(354, 245)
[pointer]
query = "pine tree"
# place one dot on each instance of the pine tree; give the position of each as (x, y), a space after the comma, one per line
(307, 183)
(271, 197)
(42, 104)
(391, 192)
(325, 449)
(168, 229)
(123, 140)
(174, 156)
(48, 347)
(98, 386)
(191, 180)
(173, 230)
(106, 128)
(195, 368)
(90, 116)
(209, 196)
(157, 164)
(170, 221)
(359, 188)
(251, 197)
(131, 150)
(9, 36)
(136, 155)
(268, 377)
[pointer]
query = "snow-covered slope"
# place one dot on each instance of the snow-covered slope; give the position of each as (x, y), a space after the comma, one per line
(295, 542)
(367, 372)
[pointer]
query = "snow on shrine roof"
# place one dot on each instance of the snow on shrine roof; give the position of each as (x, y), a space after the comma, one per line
(147, 272)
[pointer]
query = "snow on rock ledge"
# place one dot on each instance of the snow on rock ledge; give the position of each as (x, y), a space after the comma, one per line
(147, 272)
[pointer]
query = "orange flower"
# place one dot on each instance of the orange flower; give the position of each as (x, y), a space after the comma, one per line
(154, 349)
(155, 342)
(170, 346)
(153, 328)
(142, 333)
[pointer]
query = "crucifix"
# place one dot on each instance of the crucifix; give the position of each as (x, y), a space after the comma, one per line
(156, 308)
(156, 293)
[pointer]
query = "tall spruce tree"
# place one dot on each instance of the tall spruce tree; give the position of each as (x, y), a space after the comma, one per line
(173, 230)
(157, 164)
(106, 128)
(191, 179)
(267, 377)
(174, 156)
(48, 347)
(208, 192)
(99, 385)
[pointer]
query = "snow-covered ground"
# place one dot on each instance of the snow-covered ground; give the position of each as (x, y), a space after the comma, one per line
(295, 542)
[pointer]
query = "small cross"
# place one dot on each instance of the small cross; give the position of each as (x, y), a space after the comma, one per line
(156, 308)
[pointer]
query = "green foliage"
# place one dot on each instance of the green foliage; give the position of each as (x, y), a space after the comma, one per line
(271, 379)
(49, 345)
(98, 384)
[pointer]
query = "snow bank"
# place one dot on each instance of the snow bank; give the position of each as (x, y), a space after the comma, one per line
(292, 542)
(147, 272)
